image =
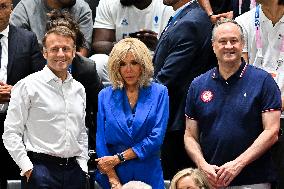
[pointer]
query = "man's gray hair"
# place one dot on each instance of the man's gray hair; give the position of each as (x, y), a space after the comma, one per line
(226, 20)
(136, 185)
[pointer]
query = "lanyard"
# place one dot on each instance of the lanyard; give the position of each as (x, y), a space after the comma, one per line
(259, 41)
(252, 4)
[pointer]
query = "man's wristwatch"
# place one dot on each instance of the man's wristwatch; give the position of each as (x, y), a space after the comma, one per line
(120, 157)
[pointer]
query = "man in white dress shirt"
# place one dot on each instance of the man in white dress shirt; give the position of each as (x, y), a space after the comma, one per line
(44, 130)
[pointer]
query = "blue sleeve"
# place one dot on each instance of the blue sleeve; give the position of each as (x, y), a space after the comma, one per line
(190, 103)
(154, 140)
(270, 95)
(101, 147)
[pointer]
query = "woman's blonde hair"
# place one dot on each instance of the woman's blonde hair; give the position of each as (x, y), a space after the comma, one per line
(142, 56)
(197, 176)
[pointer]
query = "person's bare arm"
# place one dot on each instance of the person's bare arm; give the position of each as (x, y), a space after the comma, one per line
(103, 40)
(193, 149)
(205, 4)
(271, 124)
(113, 179)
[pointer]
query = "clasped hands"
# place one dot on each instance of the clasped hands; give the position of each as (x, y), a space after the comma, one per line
(106, 166)
(221, 176)
(107, 163)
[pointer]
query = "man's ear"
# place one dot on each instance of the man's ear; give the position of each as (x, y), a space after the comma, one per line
(44, 53)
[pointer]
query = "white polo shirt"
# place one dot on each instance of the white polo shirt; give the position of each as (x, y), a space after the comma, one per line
(272, 37)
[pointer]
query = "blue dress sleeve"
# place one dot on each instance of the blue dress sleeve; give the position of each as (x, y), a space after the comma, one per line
(101, 147)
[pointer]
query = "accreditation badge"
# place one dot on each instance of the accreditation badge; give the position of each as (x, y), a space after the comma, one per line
(258, 61)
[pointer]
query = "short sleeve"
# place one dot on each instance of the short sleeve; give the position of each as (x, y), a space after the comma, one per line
(190, 103)
(270, 95)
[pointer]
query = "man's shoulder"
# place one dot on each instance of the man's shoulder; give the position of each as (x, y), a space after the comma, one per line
(81, 4)
(83, 63)
(157, 87)
(30, 3)
(246, 17)
(111, 4)
(204, 77)
(196, 17)
(256, 72)
(21, 33)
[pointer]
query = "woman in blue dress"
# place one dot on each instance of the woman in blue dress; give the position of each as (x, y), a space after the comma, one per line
(132, 119)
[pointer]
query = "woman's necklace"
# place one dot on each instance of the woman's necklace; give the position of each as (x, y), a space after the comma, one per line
(132, 97)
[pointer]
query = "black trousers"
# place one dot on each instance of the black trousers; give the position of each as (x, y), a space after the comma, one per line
(9, 169)
(278, 157)
(174, 157)
(47, 175)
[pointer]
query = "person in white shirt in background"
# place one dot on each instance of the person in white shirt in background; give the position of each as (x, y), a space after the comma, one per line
(263, 29)
(44, 130)
(117, 19)
(264, 41)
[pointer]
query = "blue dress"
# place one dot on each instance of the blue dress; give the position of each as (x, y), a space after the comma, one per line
(143, 128)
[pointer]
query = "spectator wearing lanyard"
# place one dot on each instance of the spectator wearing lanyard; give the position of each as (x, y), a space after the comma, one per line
(264, 47)
(264, 38)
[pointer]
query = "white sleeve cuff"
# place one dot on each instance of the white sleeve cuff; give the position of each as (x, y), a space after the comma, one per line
(25, 164)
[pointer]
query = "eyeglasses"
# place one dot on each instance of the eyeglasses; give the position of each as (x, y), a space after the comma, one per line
(55, 50)
(4, 6)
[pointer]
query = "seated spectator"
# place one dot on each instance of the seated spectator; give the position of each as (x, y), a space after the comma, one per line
(32, 15)
(132, 119)
(82, 69)
(136, 185)
(190, 178)
(117, 19)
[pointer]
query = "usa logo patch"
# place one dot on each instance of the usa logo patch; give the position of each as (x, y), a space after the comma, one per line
(206, 96)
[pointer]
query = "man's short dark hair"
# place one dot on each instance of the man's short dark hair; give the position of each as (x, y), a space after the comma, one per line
(280, 2)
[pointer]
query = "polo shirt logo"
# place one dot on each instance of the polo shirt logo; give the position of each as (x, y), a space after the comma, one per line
(206, 96)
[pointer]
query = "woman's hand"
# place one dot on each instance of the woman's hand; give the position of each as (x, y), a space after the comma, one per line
(106, 163)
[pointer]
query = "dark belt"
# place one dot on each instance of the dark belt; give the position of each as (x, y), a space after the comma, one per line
(52, 159)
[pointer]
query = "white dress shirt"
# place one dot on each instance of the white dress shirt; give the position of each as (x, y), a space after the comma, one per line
(46, 115)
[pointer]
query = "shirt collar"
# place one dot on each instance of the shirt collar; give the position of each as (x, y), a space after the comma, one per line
(5, 32)
(49, 75)
(239, 74)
